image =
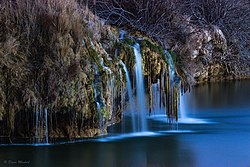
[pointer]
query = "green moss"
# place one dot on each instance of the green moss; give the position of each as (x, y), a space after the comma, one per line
(107, 62)
(123, 72)
(105, 113)
(128, 41)
(92, 95)
(125, 53)
(173, 55)
(153, 47)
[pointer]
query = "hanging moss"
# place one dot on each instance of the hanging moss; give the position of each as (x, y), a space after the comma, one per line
(105, 113)
(125, 53)
(153, 47)
(123, 73)
(174, 57)
(129, 41)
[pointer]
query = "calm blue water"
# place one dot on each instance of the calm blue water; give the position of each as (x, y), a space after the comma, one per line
(216, 133)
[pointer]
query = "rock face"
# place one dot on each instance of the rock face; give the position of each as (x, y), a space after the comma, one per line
(204, 56)
(59, 78)
(204, 42)
(62, 77)
(202, 52)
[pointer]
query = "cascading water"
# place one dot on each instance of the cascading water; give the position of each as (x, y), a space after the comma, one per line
(183, 114)
(99, 116)
(122, 100)
(156, 98)
(46, 125)
(41, 117)
(130, 96)
(140, 96)
(175, 82)
(156, 95)
(41, 124)
(37, 124)
(122, 34)
(171, 67)
(116, 52)
(174, 89)
(91, 43)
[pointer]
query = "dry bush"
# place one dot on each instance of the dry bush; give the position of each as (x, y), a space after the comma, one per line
(162, 19)
(154, 18)
(231, 16)
(36, 39)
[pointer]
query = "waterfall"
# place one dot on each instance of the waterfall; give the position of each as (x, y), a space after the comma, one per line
(98, 106)
(130, 96)
(41, 136)
(37, 123)
(122, 34)
(171, 67)
(91, 43)
(41, 124)
(116, 52)
(140, 96)
(105, 67)
(99, 116)
(174, 89)
(46, 125)
(183, 114)
(156, 96)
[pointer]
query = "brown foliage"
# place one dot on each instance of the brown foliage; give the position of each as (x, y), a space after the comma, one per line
(154, 18)
(39, 44)
(231, 16)
(162, 19)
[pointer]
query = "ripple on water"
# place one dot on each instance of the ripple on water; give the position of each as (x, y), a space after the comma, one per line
(177, 131)
(194, 121)
(162, 118)
(128, 135)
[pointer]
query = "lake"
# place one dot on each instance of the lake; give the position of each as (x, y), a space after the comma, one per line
(213, 130)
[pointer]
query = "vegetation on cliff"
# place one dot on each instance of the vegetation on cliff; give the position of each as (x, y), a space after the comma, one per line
(192, 29)
(54, 70)
(60, 71)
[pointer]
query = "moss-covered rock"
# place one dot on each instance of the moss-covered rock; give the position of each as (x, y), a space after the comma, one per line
(63, 72)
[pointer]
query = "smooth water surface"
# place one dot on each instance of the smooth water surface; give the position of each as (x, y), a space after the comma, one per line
(214, 133)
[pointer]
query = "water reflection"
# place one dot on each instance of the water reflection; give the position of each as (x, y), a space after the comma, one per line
(141, 152)
(220, 95)
(223, 140)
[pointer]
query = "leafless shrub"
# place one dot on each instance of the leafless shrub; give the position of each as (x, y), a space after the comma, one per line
(158, 18)
(231, 16)
(154, 18)
(34, 39)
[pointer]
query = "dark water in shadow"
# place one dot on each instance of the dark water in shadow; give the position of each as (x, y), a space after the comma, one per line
(218, 136)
